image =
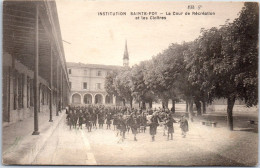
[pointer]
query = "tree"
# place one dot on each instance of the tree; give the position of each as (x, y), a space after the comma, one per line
(224, 61)
(140, 89)
(123, 85)
(239, 60)
(110, 83)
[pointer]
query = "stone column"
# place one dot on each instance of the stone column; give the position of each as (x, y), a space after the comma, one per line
(93, 99)
(36, 72)
(104, 99)
(81, 99)
(51, 78)
(57, 86)
(114, 100)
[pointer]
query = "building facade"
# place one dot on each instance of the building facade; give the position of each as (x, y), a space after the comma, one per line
(87, 82)
(35, 76)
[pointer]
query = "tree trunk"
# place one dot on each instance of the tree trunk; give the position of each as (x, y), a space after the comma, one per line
(123, 102)
(143, 105)
(163, 104)
(203, 107)
(173, 105)
(230, 105)
(166, 103)
(131, 103)
(150, 104)
(190, 109)
(187, 106)
(198, 107)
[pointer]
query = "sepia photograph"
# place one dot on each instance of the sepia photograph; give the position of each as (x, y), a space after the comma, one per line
(130, 83)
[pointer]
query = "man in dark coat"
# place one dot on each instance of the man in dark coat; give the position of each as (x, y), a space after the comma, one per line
(69, 119)
(94, 118)
(73, 119)
(108, 120)
(101, 119)
(169, 124)
(80, 116)
(88, 120)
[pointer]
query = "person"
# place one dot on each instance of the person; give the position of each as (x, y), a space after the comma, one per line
(184, 126)
(163, 117)
(115, 121)
(94, 119)
(88, 120)
(143, 122)
(80, 116)
(169, 124)
(118, 126)
(154, 123)
(69, 119)
(134, 125)
(100, 119)
(128, 120)
(74, 119)
(67, 110)
(122, 123)
(108, 120)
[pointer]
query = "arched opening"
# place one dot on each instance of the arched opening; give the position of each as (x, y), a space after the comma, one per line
(87, 98)
(98, 99)
(76, 98)
(109, 99)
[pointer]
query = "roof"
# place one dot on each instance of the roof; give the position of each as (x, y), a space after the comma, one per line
(19, 18)
(99, 66)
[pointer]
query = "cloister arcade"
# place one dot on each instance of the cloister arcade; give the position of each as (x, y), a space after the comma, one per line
(92, 98)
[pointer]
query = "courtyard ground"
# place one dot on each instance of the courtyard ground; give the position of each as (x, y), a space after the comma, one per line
(203, 146)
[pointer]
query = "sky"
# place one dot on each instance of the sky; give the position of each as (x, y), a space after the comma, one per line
(99, 39)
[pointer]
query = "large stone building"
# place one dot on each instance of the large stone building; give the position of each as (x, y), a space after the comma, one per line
(87, 82)
(35, 76)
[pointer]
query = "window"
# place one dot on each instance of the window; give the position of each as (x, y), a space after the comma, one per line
(70, 84)
(99, 73)
(69, 71)
(85, 72)
(85, 85)
(98, 85)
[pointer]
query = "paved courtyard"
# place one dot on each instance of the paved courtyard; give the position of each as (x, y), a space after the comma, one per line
(203, 146)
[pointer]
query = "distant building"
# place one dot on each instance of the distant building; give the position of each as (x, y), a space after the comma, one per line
(87, 82)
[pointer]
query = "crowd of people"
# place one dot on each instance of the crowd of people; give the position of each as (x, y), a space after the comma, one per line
(124, 119)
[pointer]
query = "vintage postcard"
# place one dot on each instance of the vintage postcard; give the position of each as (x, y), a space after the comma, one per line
(130, 83)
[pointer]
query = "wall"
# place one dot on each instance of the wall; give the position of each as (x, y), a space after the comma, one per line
(77, 77)
(21, 112)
